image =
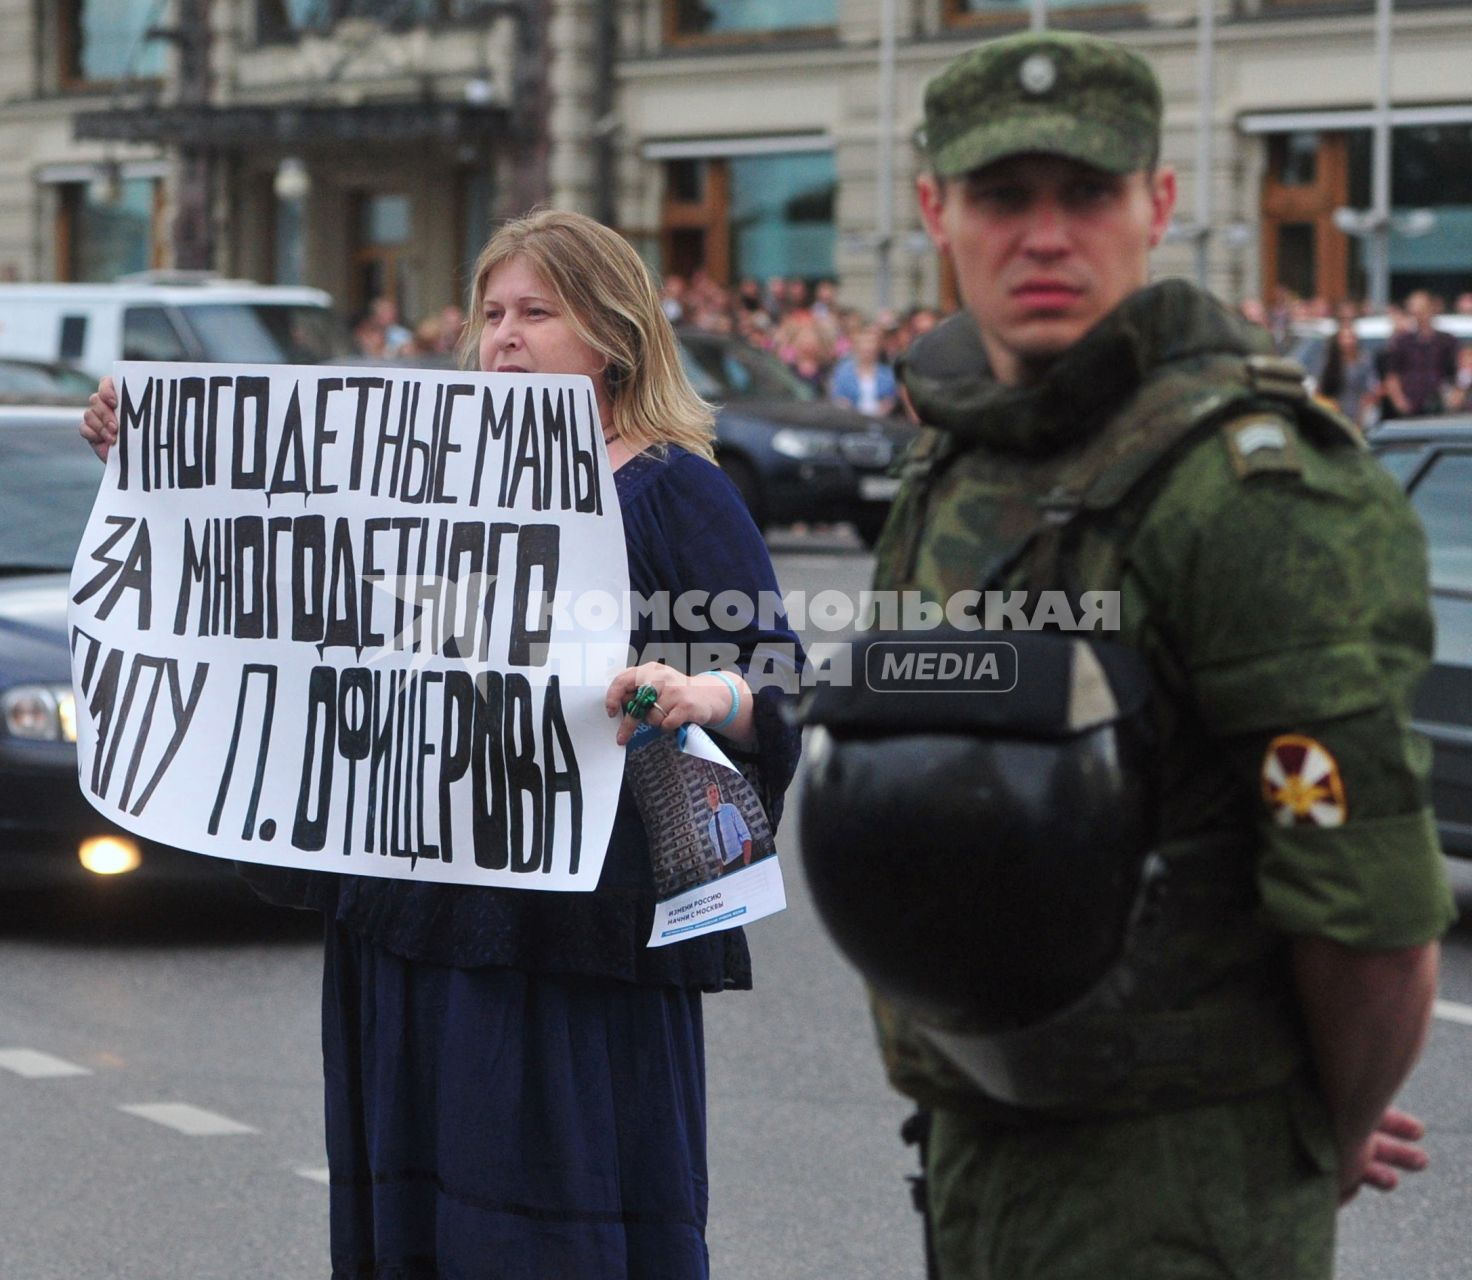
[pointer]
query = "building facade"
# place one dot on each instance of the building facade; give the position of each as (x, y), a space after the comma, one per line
(362, 146)
(367, 146)
(753, 136)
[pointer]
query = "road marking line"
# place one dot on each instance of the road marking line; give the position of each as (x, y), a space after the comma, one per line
(195, 1122)
(1450, 1011)
(313, 1175)
(34, 1065)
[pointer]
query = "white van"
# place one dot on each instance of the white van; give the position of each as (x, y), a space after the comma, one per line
(169, 316)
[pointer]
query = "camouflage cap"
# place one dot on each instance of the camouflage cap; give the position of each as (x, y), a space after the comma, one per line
(1054, 92)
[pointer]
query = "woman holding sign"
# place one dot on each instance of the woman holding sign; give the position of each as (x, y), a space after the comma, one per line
(515, 1081)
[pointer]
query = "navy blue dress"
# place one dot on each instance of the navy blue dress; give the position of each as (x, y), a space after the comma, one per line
(515, 1082)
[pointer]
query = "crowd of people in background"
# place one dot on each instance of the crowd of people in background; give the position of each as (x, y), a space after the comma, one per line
(379, 334)
(849, 356)
(1419, 370)
(839, 351)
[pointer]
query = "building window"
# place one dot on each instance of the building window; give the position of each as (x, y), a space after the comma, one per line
(1297, 260)
(1431, 173)
(751, 215)
(288, 242)
(107, 229)
(782, 216)
(695, 231)
(381, 259)
(735, 19)
(1293, 158)
(283, 19)
(1016, 12)
(1306, 181)
(279, 19)
(477, 221)
(104, 41)
(1310, 5)
(1312, 176)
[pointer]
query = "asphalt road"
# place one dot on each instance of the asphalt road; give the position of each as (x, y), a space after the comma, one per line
(160, 1110)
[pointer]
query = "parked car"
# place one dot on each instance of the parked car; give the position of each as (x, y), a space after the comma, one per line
(792, 454)
(195, 317)
(32, 381)
(1432, 458)
(49, 834)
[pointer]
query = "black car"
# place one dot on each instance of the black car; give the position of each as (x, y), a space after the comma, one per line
(792, 454)
(1432, 458)
(49, 834)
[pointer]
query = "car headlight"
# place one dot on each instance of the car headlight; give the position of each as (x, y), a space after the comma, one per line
(46, 712)
(869, 449)
(805, 443)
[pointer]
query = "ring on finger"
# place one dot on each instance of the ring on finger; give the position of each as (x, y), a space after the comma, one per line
(645, 697)
(660, 709)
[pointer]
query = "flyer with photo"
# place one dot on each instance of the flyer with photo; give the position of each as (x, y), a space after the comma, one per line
(714, 853)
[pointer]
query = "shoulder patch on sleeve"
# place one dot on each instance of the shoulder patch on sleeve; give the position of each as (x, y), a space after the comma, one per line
(1262, 442)
(1301, 784)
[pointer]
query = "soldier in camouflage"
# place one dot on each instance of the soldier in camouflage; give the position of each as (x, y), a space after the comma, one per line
(1089, 430)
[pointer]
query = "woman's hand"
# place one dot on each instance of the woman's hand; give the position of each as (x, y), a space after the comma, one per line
(681, 699)
(100, 423)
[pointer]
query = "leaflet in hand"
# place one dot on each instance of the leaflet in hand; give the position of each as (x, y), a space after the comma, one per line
(714, 854)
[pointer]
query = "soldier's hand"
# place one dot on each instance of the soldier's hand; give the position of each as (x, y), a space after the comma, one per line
(1394, 1147)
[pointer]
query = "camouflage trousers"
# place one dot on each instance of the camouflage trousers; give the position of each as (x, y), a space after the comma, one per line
(1245, 1190)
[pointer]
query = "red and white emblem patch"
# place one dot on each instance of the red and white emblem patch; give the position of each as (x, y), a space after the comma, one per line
(1301, 783)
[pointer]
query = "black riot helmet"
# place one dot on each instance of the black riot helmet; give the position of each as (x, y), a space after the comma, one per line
(977, 812)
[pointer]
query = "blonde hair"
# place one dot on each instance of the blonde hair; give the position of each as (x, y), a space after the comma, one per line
(613, 305)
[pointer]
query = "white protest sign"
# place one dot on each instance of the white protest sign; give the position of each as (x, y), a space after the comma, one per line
(312, 623)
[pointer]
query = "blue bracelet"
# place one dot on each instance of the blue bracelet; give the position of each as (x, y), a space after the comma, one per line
(735, 698)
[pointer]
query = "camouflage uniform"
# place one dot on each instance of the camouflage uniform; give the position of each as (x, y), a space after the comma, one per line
(1276, 580)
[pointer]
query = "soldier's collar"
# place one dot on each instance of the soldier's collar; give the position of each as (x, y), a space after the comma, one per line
(950, 385)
